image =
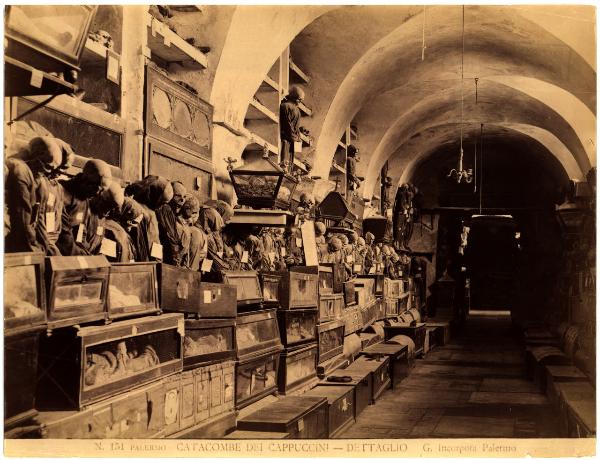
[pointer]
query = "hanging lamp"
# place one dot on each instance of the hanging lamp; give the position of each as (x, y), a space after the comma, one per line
(459, 174)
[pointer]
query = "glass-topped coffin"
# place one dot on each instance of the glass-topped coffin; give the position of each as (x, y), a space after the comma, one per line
(77, 288)
(132, 289)
(48, 37)
(296, 367)
(365, 290)
(299, 288)
(207, 341)
(24, 294)
(297, 326)
(79, 366)
(257, 333)
(330, 307)
(247, 285)
(334, 210)
(269, 282)
(255, 379)
(260, 183)
(325, 279)
(331, 340)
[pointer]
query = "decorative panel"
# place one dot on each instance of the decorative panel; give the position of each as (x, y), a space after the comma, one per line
(176, 115)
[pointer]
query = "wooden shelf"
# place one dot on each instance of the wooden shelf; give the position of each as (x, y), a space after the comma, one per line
(304, 109)
(94, 53)
(353, 134)
(298, 164)
(337, 169)
(170, 47)
(341, 145)
(257, 111)
(306, 140)
(20, 80)
(297, 75)
(269, 84)
(257, 143)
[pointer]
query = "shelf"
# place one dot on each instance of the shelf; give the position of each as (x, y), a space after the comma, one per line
(304, 109)
(341, 145)
(307, 140)
(268, 84)
(170, 47)
(298, 164)
(257, 143)
(21, 79)
(265, 217)
(353, 134)
(337, 169)
(257, 111)
(94, 53)
(300, 76)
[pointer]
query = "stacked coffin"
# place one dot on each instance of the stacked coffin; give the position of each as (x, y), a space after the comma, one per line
(110, 364)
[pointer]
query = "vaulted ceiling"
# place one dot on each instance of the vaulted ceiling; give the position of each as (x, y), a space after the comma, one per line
(535, 68)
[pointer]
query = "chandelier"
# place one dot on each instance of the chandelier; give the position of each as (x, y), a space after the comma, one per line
(459, 174)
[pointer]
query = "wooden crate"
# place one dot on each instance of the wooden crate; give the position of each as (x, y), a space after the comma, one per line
(340, 402)
(397, 354)
(380, 368)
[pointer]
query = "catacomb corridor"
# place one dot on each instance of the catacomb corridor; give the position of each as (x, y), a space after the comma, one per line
(299, 222)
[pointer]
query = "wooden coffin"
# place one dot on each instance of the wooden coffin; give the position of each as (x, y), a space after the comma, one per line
(378, 285)
(79, 366)
(248, 294)
(339, 276)
(359, 379)
(399, 368)
(299, 289)
(416, 333)
(391, 307)
(350, 293)
(245, 434)
(330, 307)
(77, 289)
(182, 291)
(136, 414)
(257, 333)
(297, 326)
(352, 319)
(20, 371)
(255, 378)
(303, 417)
(269, 283)
(132, 290)
(208, 340)
(560, 374)
(380, 367)
(340, 402)
(296, 367)
(330, 340)
(24, 292)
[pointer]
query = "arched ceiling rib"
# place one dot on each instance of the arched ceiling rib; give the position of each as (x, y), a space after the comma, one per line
(501, 44)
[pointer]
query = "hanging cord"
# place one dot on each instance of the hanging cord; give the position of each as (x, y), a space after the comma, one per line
(475, 167)
(481, 169)
(462, 99)
(423, 37)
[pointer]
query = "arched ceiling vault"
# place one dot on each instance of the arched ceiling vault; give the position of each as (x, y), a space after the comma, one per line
(514, 58)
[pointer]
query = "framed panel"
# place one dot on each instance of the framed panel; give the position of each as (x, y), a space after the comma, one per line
(177, 116)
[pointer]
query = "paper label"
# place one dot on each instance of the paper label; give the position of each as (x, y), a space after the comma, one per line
(108, 247)
(37, 77)
(206, 265)
(79, 217)
(100, 230)
(301, 424)
(245, 257)
(349, 258)
(50, 221)
(182, 289)
(299, 242)
(357, 268)
(282, 251)
(372, 271)
(297, 146)
(207, 296)
(79, 237)
(220, 254)
(51, 199)
(156, 251)
(272, 256)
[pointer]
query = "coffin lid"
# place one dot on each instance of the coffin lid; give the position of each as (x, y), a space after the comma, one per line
(335, 207)
(259, 165)
(61, 263)
(16, 259)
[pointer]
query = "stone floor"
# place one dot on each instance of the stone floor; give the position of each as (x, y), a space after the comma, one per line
(473, 387)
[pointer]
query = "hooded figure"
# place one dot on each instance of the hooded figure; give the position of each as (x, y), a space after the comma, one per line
(129, 217)
(289, 119)
(212, 223)
(94, 178)
(21, 208)
(320, 230)
(198, 241)
(369, 252)
(335, 253)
